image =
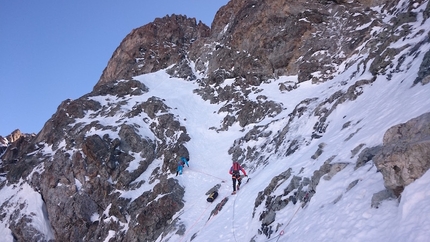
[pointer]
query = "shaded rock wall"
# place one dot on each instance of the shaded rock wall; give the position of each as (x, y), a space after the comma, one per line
(79, 174)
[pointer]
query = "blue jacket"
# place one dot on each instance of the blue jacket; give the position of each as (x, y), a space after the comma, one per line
(183, 162)
(181, 165)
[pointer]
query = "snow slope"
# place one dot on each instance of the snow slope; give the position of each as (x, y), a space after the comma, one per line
(351, 218)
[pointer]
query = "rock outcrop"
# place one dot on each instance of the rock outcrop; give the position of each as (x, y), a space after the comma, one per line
(257, 40)
(16, 145)
(81, 172)
(152, 47)
(3, 144)
(405, 154)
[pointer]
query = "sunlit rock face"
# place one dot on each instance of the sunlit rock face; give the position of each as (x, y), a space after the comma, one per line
(154, 46)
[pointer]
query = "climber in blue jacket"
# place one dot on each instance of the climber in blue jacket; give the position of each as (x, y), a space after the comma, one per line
(182, 162)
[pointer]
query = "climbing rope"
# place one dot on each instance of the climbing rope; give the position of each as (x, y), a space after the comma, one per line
(234, 205)
(282, 231)
(202, 172)
(217, 209)
(197, 220)
(232, 221)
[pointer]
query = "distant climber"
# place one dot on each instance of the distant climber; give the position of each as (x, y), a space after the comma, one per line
(235, 175)
(182, 162)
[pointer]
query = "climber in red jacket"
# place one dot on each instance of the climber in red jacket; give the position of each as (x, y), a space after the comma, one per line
(235, 175)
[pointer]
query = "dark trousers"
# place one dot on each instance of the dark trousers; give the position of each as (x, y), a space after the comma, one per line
(239, 181)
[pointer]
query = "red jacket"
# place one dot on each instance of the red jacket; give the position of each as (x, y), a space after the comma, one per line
(237, 167)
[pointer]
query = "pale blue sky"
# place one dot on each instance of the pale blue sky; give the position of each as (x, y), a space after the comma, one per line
(54, 50)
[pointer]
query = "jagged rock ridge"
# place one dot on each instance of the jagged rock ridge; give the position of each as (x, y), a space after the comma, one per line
(152, 47)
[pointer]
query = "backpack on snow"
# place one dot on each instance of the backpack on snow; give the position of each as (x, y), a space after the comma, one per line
(212, 196)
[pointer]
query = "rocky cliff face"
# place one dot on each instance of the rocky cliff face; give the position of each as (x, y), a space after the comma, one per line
(80, 173)
(120, 139)
(153, 47)
(404, 156)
